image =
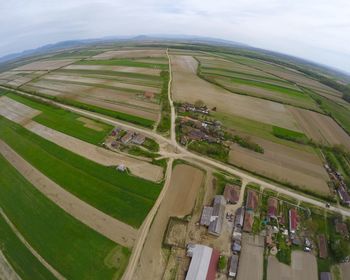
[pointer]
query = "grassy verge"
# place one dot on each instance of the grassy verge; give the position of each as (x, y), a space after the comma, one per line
(64, 121)
(221, 180)
(290, 135)
(213, 150)
(74, 249)
(122, 196)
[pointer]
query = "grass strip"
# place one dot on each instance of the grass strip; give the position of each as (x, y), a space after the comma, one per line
(72, 248)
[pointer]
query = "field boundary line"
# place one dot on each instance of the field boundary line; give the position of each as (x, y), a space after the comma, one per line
(6, 269)
(30, 248)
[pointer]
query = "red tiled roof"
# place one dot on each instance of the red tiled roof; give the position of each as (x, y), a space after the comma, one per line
(213, 265)
(231, 193)
(322, 246)
(272, 207)
(252, 200)
(248, 221)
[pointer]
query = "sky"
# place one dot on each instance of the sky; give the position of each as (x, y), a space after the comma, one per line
(318, 30)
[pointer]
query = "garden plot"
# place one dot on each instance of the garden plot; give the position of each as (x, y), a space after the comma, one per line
(252, 258)
(321, 128)
(131, 54)
(303, 267)
(124, 69)
(188, 87)
(16, 111)
(284, 164)
(46, 65)
(178, 201)
(100, 155)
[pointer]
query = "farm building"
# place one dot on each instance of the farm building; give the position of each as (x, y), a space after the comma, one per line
(293, 220)
(237, 234)
(248, 221)
(239, 217)
(252, 200)
(236, 247)
(138, 139)
(344, 195)
(206, 216)
(233, 266)
(203, 263)
(325, 276)
(272, 205)
(322, 247)
(231, 193)
(127, 137)
(217, 217)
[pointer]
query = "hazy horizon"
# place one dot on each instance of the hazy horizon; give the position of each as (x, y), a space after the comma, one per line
(313, 30)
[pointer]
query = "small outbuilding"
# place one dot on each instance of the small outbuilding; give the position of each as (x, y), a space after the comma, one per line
(231, 193)
(233, 266)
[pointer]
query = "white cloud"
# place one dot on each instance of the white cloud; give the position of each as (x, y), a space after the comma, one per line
(314, 29)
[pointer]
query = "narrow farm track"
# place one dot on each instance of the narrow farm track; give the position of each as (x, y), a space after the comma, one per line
(30, 248)
(109, 227)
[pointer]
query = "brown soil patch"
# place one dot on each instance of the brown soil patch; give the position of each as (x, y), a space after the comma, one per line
(303, 267)
(46, 65)
(111, 228)
(126, 69)
(90, 124)
(284, 164)
(176, 233)
(178, 201)
(130, 54)
(187, 86)
(15, 111)
(100, 155)
(345, 270)
(252, 258)
(321, 128)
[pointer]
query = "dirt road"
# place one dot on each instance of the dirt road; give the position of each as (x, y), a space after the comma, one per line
(6, 270)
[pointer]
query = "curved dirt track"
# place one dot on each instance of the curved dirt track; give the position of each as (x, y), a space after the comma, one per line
(111, 228)
(6, 270)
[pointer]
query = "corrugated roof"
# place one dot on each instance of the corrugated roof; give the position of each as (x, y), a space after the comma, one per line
(201, 258)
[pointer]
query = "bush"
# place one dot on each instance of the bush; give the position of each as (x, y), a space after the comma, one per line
(290, 135)
(248, 144)
(222, 264)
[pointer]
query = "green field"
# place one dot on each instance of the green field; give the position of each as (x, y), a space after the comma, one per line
(123, 62)
(72, 248)
(64, 121)
(20, 258)
(291, 135)
(120, 195)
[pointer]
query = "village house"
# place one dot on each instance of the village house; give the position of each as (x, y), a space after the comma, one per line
(206, 216)
(231, 193)
(344, 195)
(204, 261)
(341, 228)
(138, 139)
(217, 217)
(272, 204)
(127, 137)
(325, 276)
(233, 266)
(239, 217)
(248, 221)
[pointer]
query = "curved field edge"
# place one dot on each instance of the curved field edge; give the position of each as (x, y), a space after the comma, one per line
(122, 196)
(72, 248)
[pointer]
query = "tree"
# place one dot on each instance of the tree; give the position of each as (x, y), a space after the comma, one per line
(199, 103)
(340, 248)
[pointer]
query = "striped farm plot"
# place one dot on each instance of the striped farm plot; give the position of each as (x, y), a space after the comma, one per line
(131, 53)
(18, 78)
(125, 69)
(46, 65)
(15, 111)
(53, 236)
(188, 87)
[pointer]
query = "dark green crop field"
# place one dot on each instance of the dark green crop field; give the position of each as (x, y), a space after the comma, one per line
(72, 248)
(125, 197)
